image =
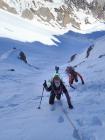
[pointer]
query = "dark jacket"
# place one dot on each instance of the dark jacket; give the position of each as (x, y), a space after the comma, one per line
(58, 90)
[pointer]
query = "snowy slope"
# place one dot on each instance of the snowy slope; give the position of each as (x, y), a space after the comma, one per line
(20, 96)
(89, 99)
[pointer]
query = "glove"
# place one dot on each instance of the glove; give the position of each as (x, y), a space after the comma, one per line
(45, 84)
(83, 83)
(70, 106)
(76, 80)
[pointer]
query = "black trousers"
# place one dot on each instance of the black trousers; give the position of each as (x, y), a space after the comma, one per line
(52, 97)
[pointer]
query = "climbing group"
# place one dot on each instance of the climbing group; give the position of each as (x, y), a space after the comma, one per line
(57, 87)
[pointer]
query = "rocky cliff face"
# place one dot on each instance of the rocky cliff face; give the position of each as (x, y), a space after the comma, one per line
(57, 12)
(97, 7)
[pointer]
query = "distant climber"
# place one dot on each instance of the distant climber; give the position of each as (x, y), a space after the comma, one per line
(22, 56)
(73, 76)
(56, 89)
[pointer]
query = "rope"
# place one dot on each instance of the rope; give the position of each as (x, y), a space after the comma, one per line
(70, 121)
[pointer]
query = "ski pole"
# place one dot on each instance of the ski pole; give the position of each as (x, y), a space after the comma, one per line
(41, 99)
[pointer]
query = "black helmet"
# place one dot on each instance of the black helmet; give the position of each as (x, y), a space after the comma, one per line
(56, 69)
(56, 77)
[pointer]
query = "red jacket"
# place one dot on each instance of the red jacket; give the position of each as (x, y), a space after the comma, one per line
(73, 76)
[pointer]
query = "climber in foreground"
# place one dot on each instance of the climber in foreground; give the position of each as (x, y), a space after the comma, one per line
(57, 88)
(73, 76)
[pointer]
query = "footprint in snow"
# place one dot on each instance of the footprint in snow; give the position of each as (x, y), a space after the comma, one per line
(60, 119)
(96, 121)
(80, 122)
(52, 107)
(87, 136)
(1, 107)
(76, 134)
(80, 135)
(13, 105)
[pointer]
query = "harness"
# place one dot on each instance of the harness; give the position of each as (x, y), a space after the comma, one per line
(57, 90)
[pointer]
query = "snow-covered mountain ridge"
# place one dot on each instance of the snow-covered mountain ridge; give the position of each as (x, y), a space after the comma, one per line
(93, 53)
(80, 14)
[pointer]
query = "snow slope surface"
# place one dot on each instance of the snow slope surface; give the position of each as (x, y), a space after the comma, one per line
(89, 113)
(20, 96)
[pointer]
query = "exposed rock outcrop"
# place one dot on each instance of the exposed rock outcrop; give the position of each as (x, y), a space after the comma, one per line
(57, 15)
(6, 7)
(27, 14)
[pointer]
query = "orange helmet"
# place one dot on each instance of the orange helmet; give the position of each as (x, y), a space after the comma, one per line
(69, 69)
